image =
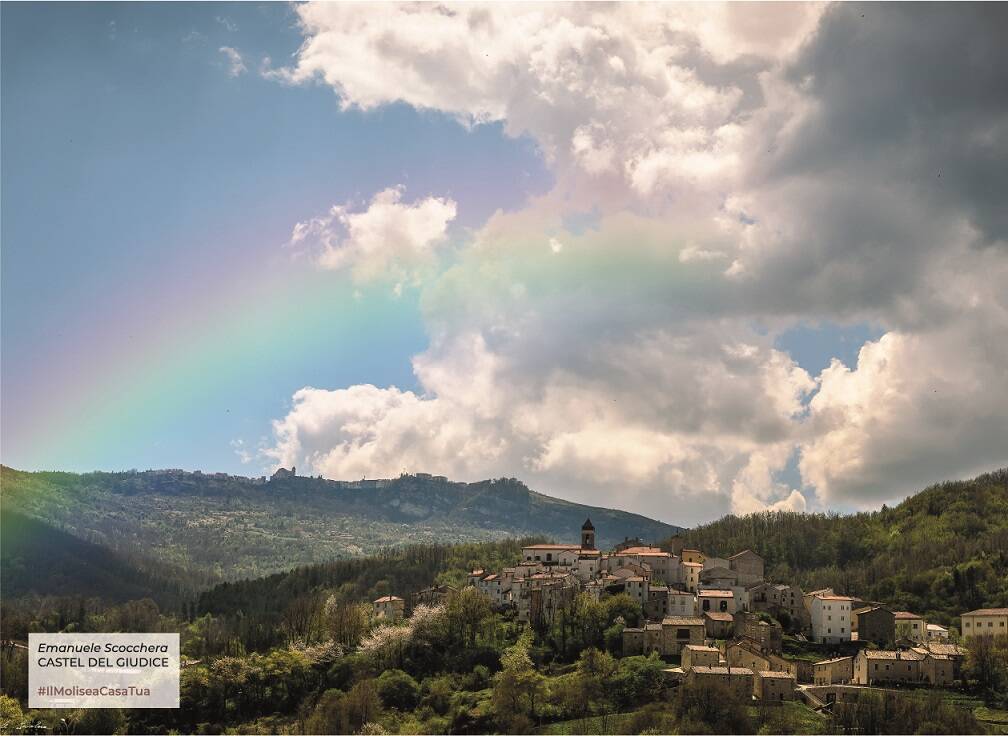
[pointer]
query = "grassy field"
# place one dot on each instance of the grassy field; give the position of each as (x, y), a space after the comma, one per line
(789, 717)
(614, 723)
(995, 720)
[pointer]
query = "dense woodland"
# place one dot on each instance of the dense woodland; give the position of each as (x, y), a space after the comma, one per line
(938, 553)
(298, 652)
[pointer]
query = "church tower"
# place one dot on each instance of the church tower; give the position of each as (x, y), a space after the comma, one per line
(587, 535)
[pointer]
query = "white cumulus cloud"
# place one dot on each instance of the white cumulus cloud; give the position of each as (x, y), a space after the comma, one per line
(389, 240)
(753, 168)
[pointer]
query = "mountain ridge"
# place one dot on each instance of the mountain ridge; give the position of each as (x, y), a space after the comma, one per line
(233, 527)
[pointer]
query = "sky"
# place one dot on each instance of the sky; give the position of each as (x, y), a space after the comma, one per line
(684, 260)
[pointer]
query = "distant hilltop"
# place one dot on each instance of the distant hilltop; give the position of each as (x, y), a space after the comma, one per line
(276, 522)
(284, 474)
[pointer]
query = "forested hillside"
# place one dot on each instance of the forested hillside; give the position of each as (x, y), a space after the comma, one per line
(940, 552)
(266, 603)
(230, 527)
(39, 560)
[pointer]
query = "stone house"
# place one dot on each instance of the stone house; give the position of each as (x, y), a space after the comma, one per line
(748, 566)
(876, 624)
(664, 567)
(694, 655)
(738, 679)
(836, 671)
(693, 556)
(718, 577)
(716, 601)
(636, 586)
(547, 554)
(657, 605)
(910, 626)
(390, 607)
(938, 670)
(691, 575)
(984, 622)
(678, 631)
(719, 625)
(955, 653)
(881, 665)
(433, 595)
(712, 562)
(744, 654)
(770, 686)
(633, 641)
(777, 598)
(765, 635)
(682, 603)
(935, 632)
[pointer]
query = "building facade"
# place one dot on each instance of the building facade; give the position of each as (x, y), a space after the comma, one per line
(984, 622)
(831, 618)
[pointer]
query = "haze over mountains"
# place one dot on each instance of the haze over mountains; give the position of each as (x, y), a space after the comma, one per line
(228, 527)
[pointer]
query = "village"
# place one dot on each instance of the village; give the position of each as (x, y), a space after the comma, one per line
(717, 619)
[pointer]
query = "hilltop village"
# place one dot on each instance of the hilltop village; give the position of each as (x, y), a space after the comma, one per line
(718, 620)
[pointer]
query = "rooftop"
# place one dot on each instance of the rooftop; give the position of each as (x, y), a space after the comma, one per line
(719, 616)
(775, 675)
(834, 660)
(653, 551)
(987, 612)
(682, 621)
(740, 671)
(717, 594)
(701, 648)
(388, 599)
(906, 615)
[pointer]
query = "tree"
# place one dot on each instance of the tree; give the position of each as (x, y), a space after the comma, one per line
(467, 611)
(987, 662)
(595, 668)
(398, 690)
(346, 622)
(711, 708)
(517, 687)
(301, 619)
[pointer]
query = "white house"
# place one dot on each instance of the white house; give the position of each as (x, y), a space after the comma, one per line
(831, 617)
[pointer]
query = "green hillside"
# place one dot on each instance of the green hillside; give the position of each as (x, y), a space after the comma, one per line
(39, 560)
(230, 527)
(938, 553)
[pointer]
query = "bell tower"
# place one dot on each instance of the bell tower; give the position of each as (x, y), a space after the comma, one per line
(587, 535)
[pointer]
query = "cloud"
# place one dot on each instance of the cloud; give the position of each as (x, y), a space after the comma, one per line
(236, 65)
(751, 168)
(227, 23)
(389, 241)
